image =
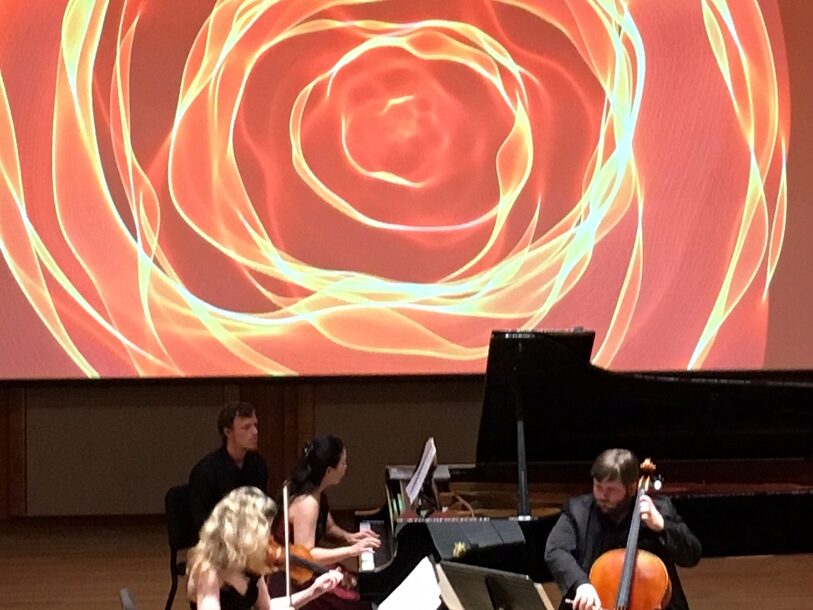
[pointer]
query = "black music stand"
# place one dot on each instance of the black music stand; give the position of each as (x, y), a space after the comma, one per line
(486, 589)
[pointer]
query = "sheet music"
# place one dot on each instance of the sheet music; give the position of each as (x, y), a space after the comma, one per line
(418, 591)
(413, 488)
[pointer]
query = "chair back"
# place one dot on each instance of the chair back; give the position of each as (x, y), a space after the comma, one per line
(180, 528)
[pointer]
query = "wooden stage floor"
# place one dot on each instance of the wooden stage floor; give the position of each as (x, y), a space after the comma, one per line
(80, 565)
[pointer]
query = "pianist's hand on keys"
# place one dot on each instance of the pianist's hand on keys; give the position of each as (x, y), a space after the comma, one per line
(366, 557)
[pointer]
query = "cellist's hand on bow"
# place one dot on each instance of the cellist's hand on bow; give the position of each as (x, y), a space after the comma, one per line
(586, 598)
(650, 514)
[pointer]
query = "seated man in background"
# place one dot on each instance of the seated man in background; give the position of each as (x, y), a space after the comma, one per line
(592, 524)
(235, 464)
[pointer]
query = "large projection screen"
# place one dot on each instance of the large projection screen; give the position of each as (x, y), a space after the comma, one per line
(258, 188)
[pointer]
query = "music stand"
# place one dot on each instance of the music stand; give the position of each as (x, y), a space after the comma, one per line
(477, 588)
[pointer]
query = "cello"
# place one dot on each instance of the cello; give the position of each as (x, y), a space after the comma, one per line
(635, 578)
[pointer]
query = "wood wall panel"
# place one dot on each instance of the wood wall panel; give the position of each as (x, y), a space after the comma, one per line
(173, 423)
(4, 453)
(12, 453)
(286, 419)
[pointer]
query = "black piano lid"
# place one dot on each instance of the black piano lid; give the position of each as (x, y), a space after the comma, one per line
(514, 358)
(574, 410)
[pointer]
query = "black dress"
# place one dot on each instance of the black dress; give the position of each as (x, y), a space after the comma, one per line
(232, 599)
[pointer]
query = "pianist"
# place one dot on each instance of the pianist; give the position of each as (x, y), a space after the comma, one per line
(594, 523)
(321, 466)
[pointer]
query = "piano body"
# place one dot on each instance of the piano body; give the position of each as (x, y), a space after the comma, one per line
(735, 450)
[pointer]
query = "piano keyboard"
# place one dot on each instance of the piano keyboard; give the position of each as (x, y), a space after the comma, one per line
(368, 560)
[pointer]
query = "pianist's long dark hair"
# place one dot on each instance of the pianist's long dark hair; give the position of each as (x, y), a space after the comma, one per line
(318, 455)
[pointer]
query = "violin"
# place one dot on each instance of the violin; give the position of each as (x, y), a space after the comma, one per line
(302, 566)
(636, 579)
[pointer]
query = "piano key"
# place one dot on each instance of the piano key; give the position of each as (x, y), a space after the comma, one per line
(366, 559)
(369, 560)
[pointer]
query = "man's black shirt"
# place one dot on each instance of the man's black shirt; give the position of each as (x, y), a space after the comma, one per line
(217, 474)
(583, 533)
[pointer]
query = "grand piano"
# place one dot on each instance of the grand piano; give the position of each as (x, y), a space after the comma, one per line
(735, 450)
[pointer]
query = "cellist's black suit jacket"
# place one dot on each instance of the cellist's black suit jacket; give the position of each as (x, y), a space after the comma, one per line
(583, 532)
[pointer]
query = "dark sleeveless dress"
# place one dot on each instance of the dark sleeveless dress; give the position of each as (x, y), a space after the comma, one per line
(338, 599)
(231, 599)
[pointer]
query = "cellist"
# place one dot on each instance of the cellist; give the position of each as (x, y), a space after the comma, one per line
(600, 521)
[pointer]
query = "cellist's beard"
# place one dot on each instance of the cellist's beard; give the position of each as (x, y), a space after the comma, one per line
(616, 512)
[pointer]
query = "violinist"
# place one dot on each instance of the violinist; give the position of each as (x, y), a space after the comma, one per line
(226, 568)
(592, 524)
(322, 465)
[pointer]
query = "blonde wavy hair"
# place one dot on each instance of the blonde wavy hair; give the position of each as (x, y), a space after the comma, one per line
(235, 534)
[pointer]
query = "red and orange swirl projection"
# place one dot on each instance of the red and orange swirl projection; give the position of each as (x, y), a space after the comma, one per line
(249, 187)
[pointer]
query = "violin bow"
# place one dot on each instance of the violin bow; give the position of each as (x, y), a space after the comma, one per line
(287, 544)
